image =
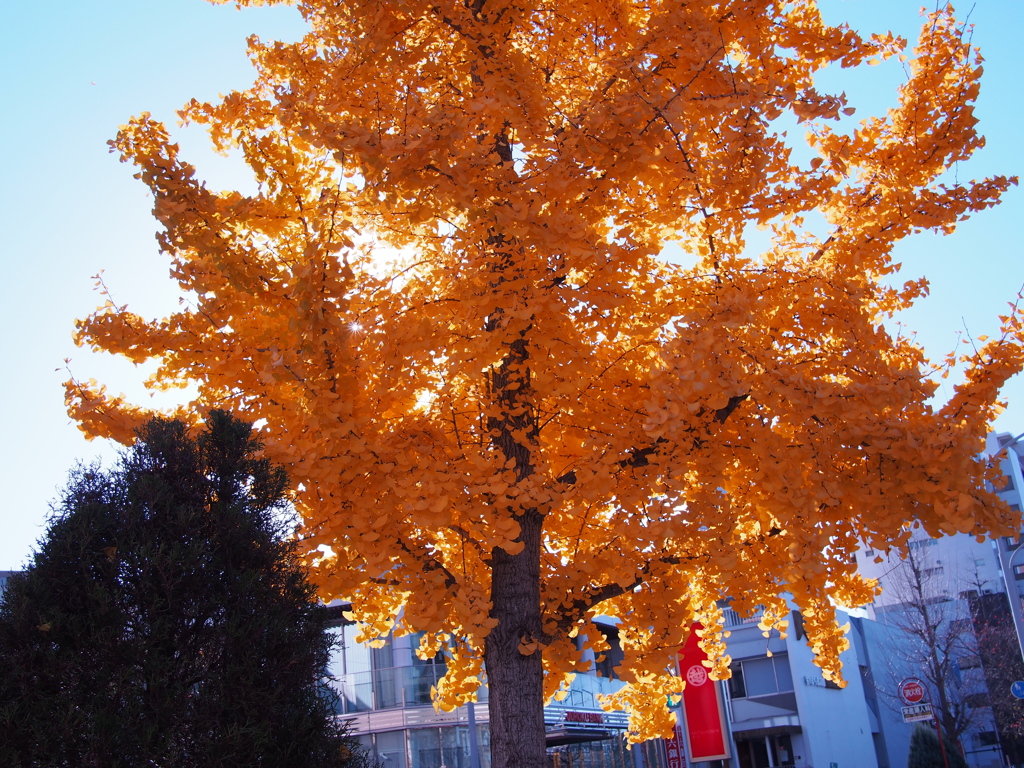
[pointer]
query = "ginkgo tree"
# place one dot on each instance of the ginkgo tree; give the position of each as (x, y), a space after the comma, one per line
(523, 414)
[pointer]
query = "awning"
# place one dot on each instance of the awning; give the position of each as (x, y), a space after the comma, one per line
(773, 726)
(563, 736)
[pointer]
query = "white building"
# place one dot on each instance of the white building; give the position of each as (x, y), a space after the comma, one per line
(784, 713)
(954, 578)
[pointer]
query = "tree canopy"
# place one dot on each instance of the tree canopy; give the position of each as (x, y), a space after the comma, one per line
(165, 619)
(505, 408)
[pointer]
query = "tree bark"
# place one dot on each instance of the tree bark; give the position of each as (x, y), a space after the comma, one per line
(516, 680)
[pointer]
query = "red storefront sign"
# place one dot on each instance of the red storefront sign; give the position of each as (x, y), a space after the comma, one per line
(703, 711)
(674, 747)
(584, 717)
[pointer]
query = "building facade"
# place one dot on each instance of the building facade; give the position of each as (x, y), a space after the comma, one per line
(971, 592)
(782, 713)
(385, 693)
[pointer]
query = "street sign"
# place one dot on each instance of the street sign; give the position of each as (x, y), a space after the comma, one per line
(917, 712)
(1017, 689)
(912, 691)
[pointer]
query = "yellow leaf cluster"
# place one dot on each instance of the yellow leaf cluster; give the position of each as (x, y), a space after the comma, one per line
(447, 309)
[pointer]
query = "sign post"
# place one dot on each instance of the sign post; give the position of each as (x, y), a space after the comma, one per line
(913, 693)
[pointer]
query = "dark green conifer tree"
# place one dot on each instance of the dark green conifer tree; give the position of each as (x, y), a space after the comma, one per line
(926, 753)
(166, 621)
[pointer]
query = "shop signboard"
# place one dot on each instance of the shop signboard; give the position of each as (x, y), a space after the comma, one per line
(583, 718)
(674, 749)
(917, 712)
(703, 712)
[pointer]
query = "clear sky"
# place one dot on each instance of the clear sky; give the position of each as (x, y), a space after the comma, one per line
(73, 70)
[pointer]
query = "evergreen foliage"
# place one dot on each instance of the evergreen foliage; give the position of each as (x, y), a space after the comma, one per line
(166, 621)
(926, 753)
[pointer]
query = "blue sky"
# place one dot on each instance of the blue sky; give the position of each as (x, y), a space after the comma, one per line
(74, 71)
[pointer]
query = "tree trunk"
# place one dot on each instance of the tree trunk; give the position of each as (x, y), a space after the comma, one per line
(516, 681)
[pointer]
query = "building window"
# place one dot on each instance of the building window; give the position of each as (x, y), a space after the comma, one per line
(967, 662)
(610, 659)
(985, 739)
(977, 700)
(958, 627)
(922, 543)
(427, 747)
(760, 677)
(737, 689)
(391, 748)
(382, 678)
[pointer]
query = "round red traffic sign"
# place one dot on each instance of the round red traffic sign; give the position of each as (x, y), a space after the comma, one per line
(911, 690)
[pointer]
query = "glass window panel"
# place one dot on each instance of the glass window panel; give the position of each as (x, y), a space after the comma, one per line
(414, 643)
(484, 735)
(336, 661)
(387, 689)
(357, 656)
(357, 691)
(418, 681)
(782, 673)
(736, 687)
(391, 748)
(455, 747)
(425, 748)
(759, 676)
(384, 657)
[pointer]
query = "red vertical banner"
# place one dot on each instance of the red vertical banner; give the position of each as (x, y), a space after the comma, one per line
(674, 748)
(703, 709)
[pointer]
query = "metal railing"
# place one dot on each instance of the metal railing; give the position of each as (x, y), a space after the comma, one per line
(733, 619)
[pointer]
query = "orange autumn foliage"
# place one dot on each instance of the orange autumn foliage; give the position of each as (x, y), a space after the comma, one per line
(521, 376)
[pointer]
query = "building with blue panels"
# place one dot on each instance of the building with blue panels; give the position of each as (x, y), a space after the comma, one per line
(385, 693)
(782, 711)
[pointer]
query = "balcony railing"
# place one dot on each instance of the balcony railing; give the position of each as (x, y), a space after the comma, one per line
(733, 619)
